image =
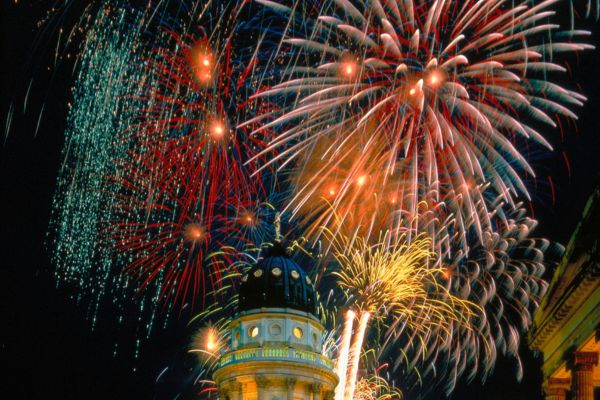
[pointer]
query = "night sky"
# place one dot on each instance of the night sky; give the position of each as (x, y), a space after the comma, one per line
(47, 347)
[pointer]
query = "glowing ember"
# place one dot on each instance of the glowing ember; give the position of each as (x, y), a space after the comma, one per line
(194, 233)
(361, 180)
(211, 341)
(217, 129)
(348, 69)
(203, 64)
(435, 79)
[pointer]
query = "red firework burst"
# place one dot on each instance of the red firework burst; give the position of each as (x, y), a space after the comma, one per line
(187, 178)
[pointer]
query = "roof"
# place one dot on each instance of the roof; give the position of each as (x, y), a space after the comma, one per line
(277, 281)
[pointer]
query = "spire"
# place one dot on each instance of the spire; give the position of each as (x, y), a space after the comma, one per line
(277, 225)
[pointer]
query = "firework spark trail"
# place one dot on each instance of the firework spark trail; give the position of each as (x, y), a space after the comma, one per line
(355, 354)
(592, 8)
(165, 229)
(91, 145)
(343, 353)
(391, 281)
(504, 277)
(180, 190)
(134, 172)
(343, 183)
(192, 160)
(450, 90)
(375, 387)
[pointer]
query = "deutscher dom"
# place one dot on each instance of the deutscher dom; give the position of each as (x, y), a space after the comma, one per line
(276, 348)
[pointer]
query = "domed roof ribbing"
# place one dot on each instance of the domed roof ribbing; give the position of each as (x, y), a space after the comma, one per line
(277, 281)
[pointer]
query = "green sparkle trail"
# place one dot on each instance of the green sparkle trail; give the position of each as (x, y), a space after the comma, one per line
(105, 75)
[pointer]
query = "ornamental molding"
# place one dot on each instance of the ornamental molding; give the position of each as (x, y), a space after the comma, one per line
(261, 381)
(566, 305)
(583, 361)
(576, 279)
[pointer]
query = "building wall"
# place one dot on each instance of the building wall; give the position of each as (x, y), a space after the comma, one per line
(275, 354)
(284, 385)
(291, 327)
(567, 325)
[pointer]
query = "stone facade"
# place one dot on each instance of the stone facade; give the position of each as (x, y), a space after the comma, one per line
(567, 325)
(275, 354)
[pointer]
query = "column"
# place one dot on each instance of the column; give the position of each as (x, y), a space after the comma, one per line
(290, 384)
(315, 391)
(236, 391)
(582, 375)
(261, 384)
(223, 393)
(556, 388)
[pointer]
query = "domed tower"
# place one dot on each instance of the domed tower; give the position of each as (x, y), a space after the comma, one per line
(276, 338)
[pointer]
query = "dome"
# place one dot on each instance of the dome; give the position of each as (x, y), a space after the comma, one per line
(277, 281)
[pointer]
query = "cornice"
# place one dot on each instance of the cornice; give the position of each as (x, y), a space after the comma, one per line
(575, 279)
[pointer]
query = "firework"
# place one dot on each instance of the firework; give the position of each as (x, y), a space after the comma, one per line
(105, 69)
(392, 281)
(503, 276)
(208, 342)
(343, 183)
(185, 123)
(592, 8)
(153, 181)
(343, 353)
(447, 90)
(392, 275)
(375, 387)
(169, 235)
(193, 191)
(355, 353)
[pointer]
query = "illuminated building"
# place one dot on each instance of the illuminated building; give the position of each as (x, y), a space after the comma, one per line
(276, 349)
(567, 324)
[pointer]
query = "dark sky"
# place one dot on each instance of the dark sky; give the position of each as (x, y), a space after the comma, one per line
(46, 345)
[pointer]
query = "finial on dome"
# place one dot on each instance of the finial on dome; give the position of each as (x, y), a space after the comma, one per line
(277, 225)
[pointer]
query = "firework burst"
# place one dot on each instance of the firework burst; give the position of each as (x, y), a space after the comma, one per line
(393, 277)
(81, 203)
(346, 184)
(375, 388)
(447, 89)
(191, 192)
(504, 277)
(392, 283)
